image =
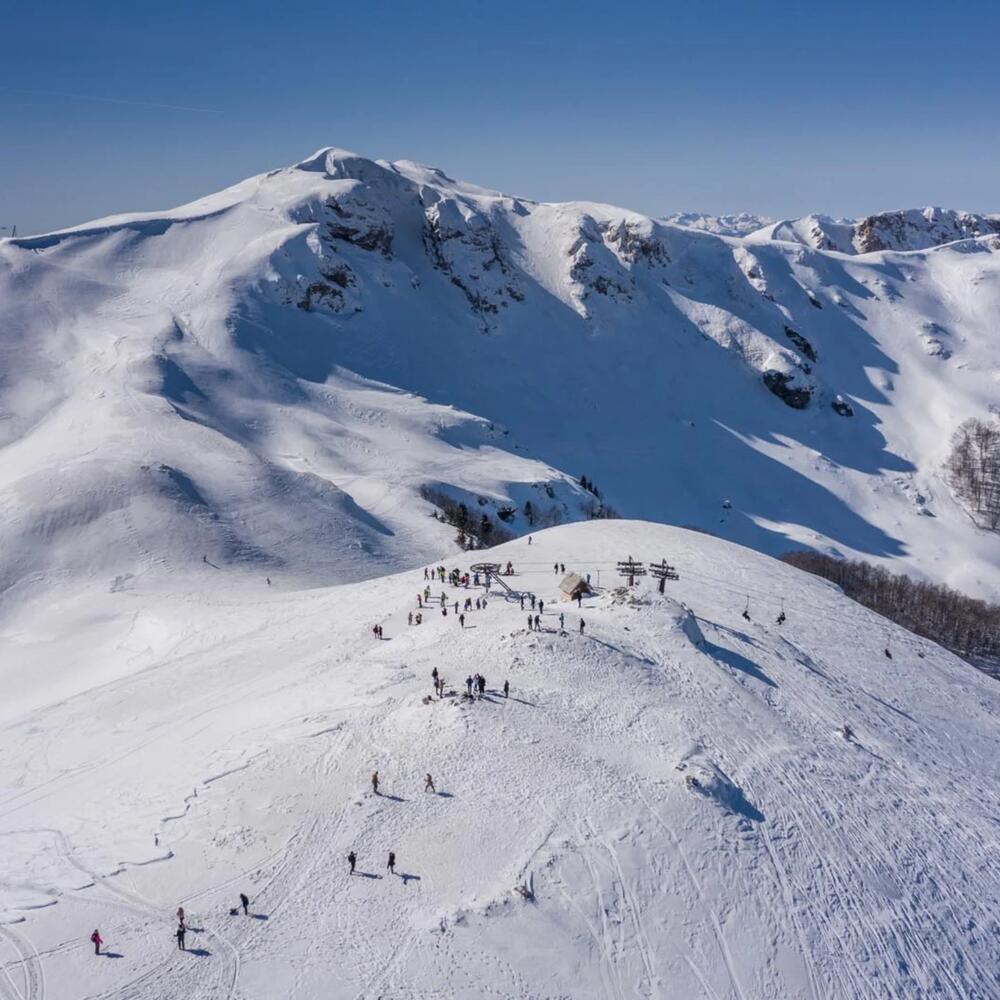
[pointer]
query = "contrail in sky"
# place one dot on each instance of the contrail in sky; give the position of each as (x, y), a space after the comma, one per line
(113, 100)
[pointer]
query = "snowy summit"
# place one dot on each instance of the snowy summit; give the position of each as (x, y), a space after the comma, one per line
(244, 657)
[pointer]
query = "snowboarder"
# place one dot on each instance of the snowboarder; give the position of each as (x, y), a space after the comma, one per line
(245, 901)
(391, 864)
(352, 858)
(429, 785)
(96, 940)
(461, 620)
(582, 623)
(375, 782)
(180, 937)
(506, 689)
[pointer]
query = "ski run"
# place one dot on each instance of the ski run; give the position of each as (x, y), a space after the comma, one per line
(675, 802)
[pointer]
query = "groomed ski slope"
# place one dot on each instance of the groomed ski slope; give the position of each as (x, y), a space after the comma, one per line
(803, 865)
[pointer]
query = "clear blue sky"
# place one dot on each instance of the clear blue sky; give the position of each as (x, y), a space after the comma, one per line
(776, 108)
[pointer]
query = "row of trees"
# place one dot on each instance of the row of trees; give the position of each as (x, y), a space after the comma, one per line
(473, 532)
(973, 469)
(966, 626)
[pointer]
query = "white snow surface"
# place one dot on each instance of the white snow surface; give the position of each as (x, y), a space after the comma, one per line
(259, 384)
(673, 791)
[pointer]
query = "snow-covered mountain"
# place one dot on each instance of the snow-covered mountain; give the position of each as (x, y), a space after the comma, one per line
(915, 229)
(676, 802)
(740, 224)
(260, 383)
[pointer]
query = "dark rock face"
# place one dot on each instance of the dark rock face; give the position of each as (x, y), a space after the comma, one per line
(781, 385)
(330, 291)
(359, 225)
(803, 345)
(842, 406)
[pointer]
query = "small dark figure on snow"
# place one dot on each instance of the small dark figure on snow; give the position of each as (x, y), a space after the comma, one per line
(556, 567)
(468, 686)
(96, 940)
(579, 599)
(506, 689)
(562, 567)
(562, 620)
(541, 607)
(461, 620)
(429, 784)
(538, 623)
(434, 674)
(375, 782)
(245, 901)
(582, 623)
(352, 858)
(391, 864)
(533, 602)
(530, 623)
(180, 936)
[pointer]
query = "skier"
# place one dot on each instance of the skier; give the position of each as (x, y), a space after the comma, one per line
(434, 674)
(352, 858)
(562, 567)
(557, 569)
(461, 620)
(425, 572)
(180, 937)
(420, 602)
(96, 940)
(579, 599)
(482, 685)
(538, 623)
(562, 620)
(429, 785)
(530, 623)
(506, 689)
(533, 602)
(456, 607)
(375, 782)
(409, 618)
(541, 607)
(468, 686)
(391, 865)
(582, 623)
(180, 914)
(245, 900)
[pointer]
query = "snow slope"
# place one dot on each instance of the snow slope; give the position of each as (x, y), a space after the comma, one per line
(259, 383)
(800, 863)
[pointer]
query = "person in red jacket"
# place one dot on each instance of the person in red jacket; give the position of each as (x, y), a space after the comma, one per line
(96, 940)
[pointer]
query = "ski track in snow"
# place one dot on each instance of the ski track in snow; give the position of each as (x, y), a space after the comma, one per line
(803, 865)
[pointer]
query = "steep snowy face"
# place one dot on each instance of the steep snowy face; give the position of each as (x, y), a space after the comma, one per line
(268, 380)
